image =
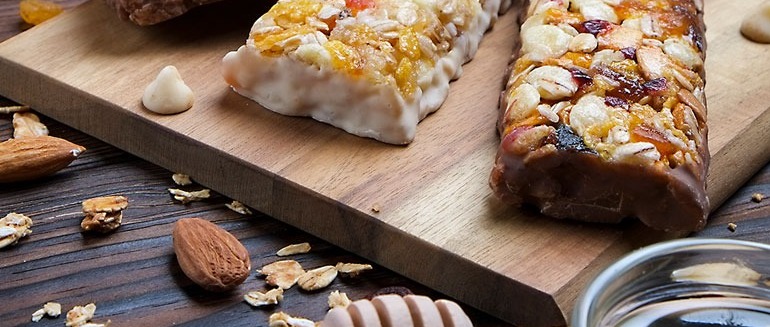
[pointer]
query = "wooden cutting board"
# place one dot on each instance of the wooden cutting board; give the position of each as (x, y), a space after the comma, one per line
(424, 210)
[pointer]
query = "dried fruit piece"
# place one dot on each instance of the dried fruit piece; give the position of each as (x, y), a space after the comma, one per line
(187, 197)
(318, 278)
(238, 207)
(294, 249)
(181, 179)
(37, 11)
(103, 214)
(52, 309)
(352, 269)
(258, 299)
(27, 124)
(13, 227)
(338, 300)
(80, 315)
(282, 273)
(281, 319)
(209, 255)
(34, 157)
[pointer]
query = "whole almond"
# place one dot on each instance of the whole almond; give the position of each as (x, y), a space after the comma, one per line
(34, 157)
(209, 255)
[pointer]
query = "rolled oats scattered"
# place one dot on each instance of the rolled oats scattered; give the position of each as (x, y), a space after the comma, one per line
(181, 179)
(238, 207)
(80, 315)
(352, 269)
(52, 309)
(317, 278)
(281, 319)
(338, 300)
(283, 274)
(13, 227)
(27, 124)
(187, 197)
(294, 249)
(257, 299)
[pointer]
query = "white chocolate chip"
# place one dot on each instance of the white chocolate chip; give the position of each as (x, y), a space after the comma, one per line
(168, 94)
(756, 26)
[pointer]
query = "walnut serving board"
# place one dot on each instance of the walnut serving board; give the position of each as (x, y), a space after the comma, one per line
(424, 210)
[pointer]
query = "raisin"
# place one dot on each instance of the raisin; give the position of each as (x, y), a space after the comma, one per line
(566, 139)
(629, 53)
(594, 26)
(616, 102)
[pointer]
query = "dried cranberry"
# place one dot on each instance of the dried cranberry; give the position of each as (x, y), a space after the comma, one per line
(629, 53)
(580, 76)
(655, 85)
(616, 102)
(594, 26)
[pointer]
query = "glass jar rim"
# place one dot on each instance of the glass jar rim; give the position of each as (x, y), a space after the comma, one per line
(588, 298)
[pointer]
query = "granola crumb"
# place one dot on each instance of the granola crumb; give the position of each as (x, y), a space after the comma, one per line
(732, 227)
(376, 208)
(757, 197)
(294, 249)
(181, 179)
(186, 197)
(238, 207)
(51, 309)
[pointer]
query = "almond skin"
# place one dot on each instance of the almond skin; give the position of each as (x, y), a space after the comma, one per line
(209, 255)
(34, 157)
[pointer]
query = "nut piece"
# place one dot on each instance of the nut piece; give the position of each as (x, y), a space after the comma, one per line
(34, 157)
(168, 94)
(181, 179)
(281, 319)
(80, 315)
(318, 278)
(757, 197)
(52, 309)
(238, 207)
(187, 197)
(352, 269)
(338, 300)
(257, 299)
(756, 26)
(282, 273)
(103, 214)
(13, 227)
(209, 255)
(294, 249)
(27, 124)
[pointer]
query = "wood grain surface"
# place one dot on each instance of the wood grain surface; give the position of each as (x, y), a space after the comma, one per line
(466, 284)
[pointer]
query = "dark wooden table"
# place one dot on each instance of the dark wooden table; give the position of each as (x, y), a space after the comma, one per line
(132, 274)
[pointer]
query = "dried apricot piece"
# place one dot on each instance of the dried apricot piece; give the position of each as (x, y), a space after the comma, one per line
(37, 11)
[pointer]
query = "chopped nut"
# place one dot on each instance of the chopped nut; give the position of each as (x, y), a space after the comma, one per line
(13, 227)
(103, 214)
(186, 197)
(283, 274)
(294, 249)
(281, 319)
(13, 109)
(168, 94)
(352, 269)
(27, 124)
(732, 227)
(317, 278)
(80, 315)
(757, 197)
(256, 298)
(181, 179)
(52, 309)
(338, 300)
(238, 207)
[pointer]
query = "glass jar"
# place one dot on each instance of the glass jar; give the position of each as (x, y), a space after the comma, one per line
(690, 282)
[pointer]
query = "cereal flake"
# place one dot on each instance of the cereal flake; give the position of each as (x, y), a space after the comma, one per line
(294, 249)
(283, 274)
(257, 299)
